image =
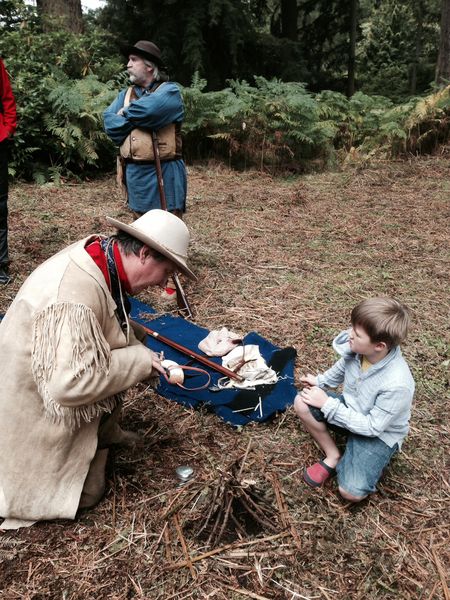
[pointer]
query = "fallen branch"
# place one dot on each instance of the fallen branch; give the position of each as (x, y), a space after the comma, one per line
(285, 517)
(246, 593)
(167, 544)
(176, 522)
(179, 565)
(441, 572)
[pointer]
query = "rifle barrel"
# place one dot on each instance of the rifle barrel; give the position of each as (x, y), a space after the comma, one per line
(198, 357)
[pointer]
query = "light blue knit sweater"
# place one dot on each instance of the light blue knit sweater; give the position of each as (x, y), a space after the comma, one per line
(377, 401)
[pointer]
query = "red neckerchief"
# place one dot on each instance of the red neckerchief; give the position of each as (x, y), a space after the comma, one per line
(98, 256)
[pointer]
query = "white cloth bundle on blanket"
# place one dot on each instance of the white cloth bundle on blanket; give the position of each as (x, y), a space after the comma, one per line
(219, 342)
(254, 370)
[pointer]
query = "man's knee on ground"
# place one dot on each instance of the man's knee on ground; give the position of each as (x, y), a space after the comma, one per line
(350, 497)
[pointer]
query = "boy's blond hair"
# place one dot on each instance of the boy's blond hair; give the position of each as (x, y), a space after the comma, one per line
(383, 319)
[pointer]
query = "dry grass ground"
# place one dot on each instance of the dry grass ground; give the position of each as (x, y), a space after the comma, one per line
(288, 258)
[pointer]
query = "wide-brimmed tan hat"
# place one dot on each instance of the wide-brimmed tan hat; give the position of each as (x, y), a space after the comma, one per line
(162, 231)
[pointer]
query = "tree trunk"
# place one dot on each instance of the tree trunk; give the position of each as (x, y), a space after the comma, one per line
(289, 14)
(352, 49)
(67, 12)
(419, 11)
(443, 64)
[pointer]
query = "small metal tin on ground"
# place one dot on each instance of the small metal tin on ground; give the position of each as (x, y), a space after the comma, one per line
(184, 473)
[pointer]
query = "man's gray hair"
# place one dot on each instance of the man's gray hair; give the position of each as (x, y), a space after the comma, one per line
(156, 74)
(131, 245)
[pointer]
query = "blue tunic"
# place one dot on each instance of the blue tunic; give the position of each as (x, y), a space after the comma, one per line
(150, 111)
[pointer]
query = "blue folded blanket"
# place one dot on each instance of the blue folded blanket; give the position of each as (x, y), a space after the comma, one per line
(237, 407)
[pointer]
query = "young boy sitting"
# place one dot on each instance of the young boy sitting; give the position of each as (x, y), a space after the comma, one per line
(375, 406)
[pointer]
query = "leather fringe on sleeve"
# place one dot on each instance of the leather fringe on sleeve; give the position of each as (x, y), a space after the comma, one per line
(88, 350)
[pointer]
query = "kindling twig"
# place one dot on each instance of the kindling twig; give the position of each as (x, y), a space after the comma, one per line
(218, 516)
(195, 559)
(175, 508)
(159, 539)
(284, 513)
(167, 544)
(226, 516)
(176, 522)
(254, 510)
(246, 593)
(210, 511)
(442, 575)
(247, 450)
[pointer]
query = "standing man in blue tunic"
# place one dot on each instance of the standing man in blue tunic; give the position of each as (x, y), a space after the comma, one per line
(151, 104)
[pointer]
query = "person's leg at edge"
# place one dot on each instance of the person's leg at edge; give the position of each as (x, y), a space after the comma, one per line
(4, 258)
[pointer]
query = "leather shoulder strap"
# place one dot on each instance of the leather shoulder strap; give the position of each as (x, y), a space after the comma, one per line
(131, 94)
(128, 98)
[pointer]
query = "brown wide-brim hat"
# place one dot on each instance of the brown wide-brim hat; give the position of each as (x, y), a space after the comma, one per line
(147, 50)
(162, 231)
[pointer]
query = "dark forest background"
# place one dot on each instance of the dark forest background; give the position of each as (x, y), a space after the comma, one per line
(385, 47)
(278, 84)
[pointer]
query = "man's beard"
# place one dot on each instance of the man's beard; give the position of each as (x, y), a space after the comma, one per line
(135, 80)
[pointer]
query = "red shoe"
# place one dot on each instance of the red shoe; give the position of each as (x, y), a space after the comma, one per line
(318, 473)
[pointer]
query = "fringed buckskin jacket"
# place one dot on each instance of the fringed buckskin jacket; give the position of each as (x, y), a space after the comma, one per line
(64, 361)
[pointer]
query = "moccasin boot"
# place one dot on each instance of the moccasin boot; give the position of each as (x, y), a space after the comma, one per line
(94, 485)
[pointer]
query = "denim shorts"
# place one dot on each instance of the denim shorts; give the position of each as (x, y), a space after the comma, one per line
(363, 461)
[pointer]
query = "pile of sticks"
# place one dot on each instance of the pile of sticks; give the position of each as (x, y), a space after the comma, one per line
(237, 508)
(230, 508)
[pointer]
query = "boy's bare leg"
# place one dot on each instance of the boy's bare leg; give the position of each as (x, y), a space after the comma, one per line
(318, 431)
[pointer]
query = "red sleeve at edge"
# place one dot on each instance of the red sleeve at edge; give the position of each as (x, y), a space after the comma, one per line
(8, 120)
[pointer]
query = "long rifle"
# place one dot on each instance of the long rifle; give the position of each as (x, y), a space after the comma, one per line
(198, 357)
(182, 301)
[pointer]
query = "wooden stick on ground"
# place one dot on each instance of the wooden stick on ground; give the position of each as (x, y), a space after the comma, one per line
(167, 544)
(246, 593)
(441, 574)
(285, 517)
(194, 559)
(176, 522)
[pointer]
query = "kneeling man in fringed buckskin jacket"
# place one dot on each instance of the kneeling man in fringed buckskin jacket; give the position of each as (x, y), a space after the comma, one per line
(67, 353)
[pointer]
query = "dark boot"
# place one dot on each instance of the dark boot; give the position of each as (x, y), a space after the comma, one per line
(4, 277)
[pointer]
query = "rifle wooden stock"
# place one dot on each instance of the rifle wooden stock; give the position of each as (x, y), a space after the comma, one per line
(162, 193)
(198, 357)
(182, 301)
